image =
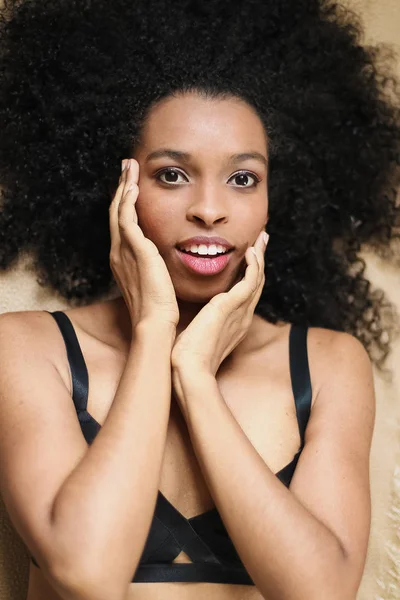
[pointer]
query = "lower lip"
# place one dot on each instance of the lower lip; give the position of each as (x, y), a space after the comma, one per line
(205, 266)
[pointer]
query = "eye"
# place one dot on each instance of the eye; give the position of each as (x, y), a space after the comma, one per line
(244, 177)
(171, 176)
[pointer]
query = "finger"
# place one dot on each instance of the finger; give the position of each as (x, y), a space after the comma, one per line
(259, 249)
(254, 269)
(246, 287)
(113, 211)
(260, 246)
(126, 208)
(256, 296)
(130, 231)
(131, 175)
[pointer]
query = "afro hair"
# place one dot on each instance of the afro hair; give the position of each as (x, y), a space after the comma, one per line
(78, 77)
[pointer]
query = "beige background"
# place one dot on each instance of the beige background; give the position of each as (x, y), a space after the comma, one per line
(381, 580)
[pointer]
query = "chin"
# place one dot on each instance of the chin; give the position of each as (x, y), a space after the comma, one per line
(202, 292)
(194, 298)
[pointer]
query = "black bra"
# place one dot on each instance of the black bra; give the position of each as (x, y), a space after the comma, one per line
(203, 537)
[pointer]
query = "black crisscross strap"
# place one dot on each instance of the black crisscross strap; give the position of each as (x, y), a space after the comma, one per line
(79, 375)
(182, 537)
(302, 392)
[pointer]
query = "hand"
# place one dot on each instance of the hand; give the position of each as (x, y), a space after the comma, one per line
(139, 270)
(222, 323)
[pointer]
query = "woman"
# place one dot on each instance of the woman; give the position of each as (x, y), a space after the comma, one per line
(215, 447)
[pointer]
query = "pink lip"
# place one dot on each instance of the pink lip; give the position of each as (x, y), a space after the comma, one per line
(205, 266)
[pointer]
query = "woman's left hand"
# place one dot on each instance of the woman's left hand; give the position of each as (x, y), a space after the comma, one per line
(223, 322)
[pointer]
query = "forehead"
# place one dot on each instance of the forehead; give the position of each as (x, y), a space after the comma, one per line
(193, 123)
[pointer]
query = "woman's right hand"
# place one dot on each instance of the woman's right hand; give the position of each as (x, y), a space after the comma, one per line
(138, 268)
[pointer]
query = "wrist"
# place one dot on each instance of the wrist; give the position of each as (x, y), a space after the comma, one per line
(191, 383)
(190, 374)
(157, 330)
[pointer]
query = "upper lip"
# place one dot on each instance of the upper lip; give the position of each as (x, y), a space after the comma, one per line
(203, 239)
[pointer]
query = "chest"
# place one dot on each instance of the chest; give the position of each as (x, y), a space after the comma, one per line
(259, 394)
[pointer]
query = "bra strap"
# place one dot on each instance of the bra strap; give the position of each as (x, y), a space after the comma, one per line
(300, 376)
(79, 373)
(184, 536)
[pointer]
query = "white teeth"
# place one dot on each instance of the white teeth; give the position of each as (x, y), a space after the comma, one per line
(206, 250)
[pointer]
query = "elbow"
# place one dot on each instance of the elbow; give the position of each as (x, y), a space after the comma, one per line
(81, 582)
(336, 584)
(340, 590)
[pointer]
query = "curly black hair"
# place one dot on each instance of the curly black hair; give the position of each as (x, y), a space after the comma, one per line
(78, 77)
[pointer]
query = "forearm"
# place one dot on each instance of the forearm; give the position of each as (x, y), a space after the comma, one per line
(288, 552)
(102, 514)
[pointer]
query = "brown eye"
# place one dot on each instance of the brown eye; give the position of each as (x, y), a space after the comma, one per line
(171, 176)
(245, 179)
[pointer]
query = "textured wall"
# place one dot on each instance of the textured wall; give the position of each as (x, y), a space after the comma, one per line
(381, 581)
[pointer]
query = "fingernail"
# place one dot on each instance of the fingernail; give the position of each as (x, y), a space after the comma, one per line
(123, 165)
(265, 238)
(253, 250)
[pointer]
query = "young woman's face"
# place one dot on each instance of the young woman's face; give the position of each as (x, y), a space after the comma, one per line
(197, 178)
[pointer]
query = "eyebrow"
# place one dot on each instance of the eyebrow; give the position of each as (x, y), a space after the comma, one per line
(186, 157)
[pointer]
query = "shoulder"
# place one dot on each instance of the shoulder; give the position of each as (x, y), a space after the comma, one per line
(332, 341)
(26, 326)
(25, 335)
(345, 403)
(335, 356)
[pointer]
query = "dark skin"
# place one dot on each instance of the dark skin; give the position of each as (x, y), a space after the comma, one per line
(254, 381)
(206, 199)
(206, 196)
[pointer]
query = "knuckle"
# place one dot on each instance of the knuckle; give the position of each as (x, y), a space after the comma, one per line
(133, 187)
(123, 205)
(123, 225)
(247, 321)
(114, 257)
(121, 214)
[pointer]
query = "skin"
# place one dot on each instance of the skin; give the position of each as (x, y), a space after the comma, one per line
(255, 379)
(207, 199)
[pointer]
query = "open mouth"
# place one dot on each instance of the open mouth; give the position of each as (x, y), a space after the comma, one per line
(205, 255)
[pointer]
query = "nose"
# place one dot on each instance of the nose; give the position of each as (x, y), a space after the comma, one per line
(208, 204)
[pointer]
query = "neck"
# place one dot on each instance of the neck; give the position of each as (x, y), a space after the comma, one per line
(188, 312)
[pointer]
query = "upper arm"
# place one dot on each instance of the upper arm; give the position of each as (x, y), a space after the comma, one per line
(40, 437)
(332, 476)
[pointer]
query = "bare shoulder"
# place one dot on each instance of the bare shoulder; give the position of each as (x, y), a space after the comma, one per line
(22, 319)
(328, 339)
(23, 333)
(26, 325)
(24, 329)
(337, 356)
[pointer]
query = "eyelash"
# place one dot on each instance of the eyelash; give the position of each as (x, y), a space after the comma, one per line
(173, 170)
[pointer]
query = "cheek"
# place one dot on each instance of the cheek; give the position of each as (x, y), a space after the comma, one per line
(252, 222)
(156, 218)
